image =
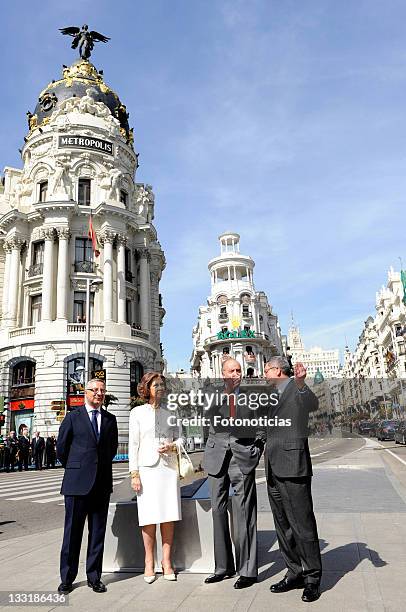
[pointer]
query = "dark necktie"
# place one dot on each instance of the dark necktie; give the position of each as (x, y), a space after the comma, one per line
(95, 424)
(232, 405)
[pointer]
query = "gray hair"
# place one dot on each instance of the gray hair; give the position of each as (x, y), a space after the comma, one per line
(94, 380)
(281, 362)
(226, 361)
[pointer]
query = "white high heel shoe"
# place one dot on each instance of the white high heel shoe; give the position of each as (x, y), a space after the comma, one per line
(170, 577)
(150, 579)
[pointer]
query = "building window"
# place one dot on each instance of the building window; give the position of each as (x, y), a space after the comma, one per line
(43, 191)
(79, 307)
(83, 255)
(37, 259)
(136, 373)
(22, 383)
(84, 192)
(128, 312)
(75, 378)
(128, 273)
(35, 309)
(123, 197)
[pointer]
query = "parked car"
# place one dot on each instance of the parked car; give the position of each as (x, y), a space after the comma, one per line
(400, 433)
(386, 430)
(374, 427)
(365, 427)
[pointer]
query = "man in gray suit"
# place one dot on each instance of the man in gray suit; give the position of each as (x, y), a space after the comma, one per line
(289, 475)
(230, 457)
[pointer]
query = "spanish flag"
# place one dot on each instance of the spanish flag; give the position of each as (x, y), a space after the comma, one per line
(92, 236)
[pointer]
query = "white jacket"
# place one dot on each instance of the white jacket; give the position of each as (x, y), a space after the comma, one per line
(147, 426)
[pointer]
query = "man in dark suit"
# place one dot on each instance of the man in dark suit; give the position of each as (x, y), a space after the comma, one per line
(289, 474)
(10, 451)
(23, 450)
(86, 446)
(37, 450)
(230, 457)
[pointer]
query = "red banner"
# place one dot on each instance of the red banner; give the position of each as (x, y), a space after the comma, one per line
(22, 404)
(76, 400)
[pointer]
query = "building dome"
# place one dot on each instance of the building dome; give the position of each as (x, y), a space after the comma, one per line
(81, 79)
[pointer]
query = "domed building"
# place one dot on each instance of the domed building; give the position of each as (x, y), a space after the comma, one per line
(237, 321)
(74, 217)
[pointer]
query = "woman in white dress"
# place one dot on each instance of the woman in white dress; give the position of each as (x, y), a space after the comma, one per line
(153, 465)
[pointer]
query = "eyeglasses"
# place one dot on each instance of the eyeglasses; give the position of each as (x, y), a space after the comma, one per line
(97, 391)
(271, 368)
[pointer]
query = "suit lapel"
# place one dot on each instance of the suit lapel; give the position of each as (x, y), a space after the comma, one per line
(285, 394)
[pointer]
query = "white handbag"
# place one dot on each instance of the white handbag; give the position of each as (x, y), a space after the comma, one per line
(185, 466)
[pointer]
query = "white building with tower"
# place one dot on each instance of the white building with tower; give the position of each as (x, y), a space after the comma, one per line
(237, 321)
(326, 361)
(78, 159)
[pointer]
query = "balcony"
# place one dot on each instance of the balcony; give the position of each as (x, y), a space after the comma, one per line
(80, 328)
(22, 391)
(84, 266)
(223, 317)
(246, 314)
(22, 331)
(35, 270)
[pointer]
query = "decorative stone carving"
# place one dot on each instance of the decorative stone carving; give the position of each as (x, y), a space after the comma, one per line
(50, 356)
(120, 357)
(145, 202)
(121, 239)
(48, 233)
(14, 242)
(61, 182)
(144, 253)
(107, 235)
(63, 233)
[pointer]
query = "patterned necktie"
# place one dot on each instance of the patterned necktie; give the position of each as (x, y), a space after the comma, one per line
(232, 405)
(95, 424)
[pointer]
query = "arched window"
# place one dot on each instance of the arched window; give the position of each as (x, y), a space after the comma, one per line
(22, 380)
(136, 373)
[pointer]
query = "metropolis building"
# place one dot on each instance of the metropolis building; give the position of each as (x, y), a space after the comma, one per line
(78, 160)
(237, 321)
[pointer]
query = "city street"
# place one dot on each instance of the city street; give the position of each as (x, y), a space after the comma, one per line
(359, 491)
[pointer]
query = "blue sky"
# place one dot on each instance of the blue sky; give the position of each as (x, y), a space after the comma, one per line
(281, 120)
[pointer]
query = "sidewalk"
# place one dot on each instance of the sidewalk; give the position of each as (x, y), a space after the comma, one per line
(361, 512)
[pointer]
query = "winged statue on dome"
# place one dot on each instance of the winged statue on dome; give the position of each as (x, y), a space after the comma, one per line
(84, 39)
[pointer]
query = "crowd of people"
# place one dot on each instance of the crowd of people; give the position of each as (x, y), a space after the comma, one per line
(20, 451)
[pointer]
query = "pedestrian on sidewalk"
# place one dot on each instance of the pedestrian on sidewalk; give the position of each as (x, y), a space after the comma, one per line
(37, 450)
(86, 446)
(23, 450)
(153, 463)
(289, 475)
(230, 458)
(50, 451)
(10, 451)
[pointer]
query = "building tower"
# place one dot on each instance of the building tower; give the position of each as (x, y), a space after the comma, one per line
(238, 321)
(78, 164)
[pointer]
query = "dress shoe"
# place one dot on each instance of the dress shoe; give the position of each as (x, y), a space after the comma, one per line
(218, 577)
(311, 592)
(244, 582)
(97, 586)
(150, 579)
(171, 576)
(287, 584)
(65, 588)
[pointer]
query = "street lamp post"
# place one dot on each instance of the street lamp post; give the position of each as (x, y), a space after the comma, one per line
(89, 283)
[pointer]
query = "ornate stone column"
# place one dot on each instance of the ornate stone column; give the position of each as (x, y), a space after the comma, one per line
(107, 238)
(145, 258)
(14, 244)
(62, 282)
(48, 234)
(6, 282)
(121, 289)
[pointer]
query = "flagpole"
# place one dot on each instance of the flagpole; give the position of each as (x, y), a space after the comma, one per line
(87, 332)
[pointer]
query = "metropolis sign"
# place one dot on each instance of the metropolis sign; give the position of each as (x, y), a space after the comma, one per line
(86, 142)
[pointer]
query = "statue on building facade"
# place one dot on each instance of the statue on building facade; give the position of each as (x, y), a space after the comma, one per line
(84, 39)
